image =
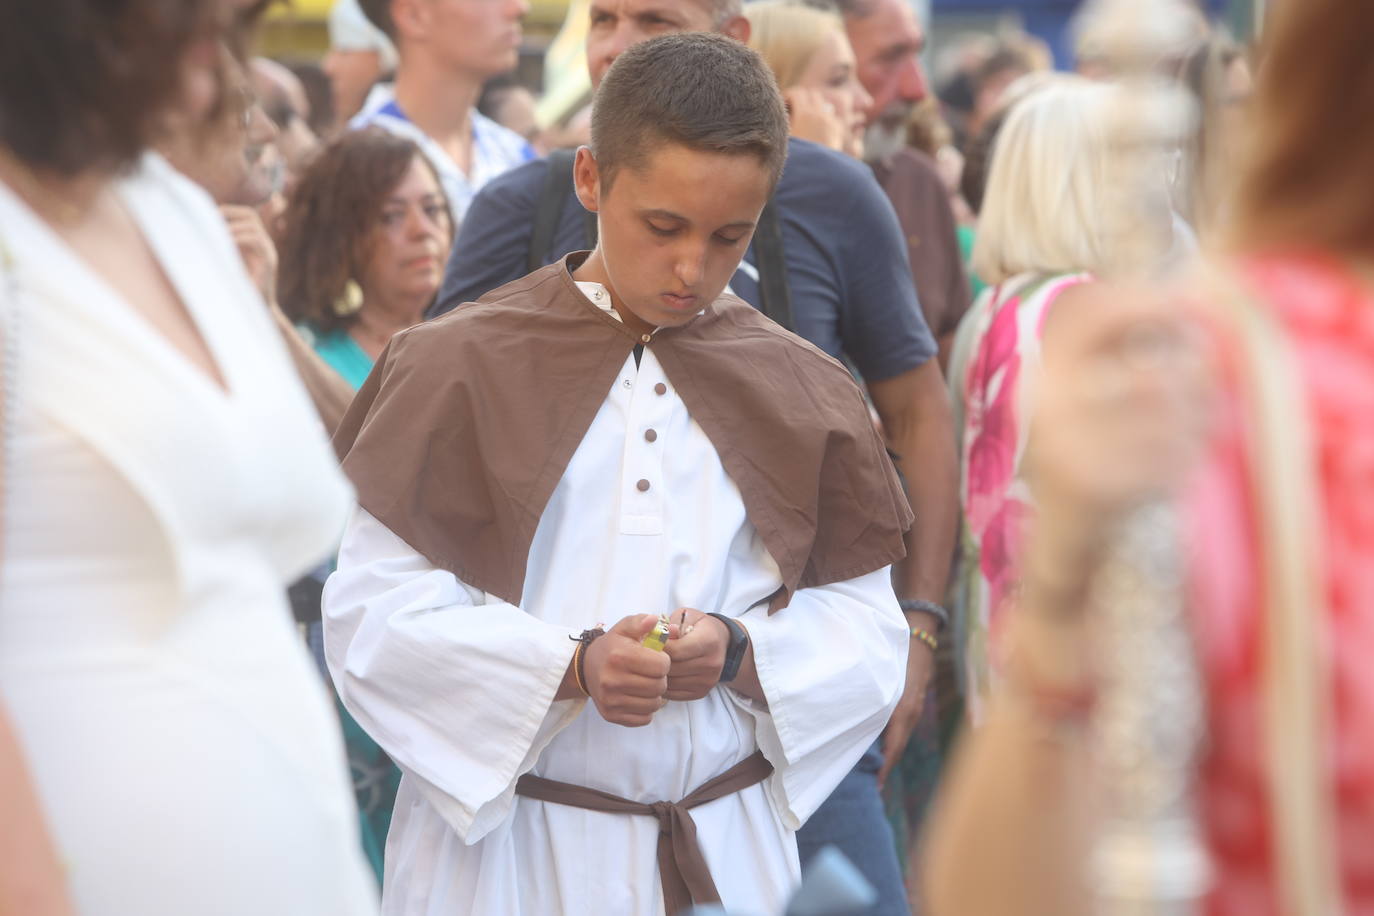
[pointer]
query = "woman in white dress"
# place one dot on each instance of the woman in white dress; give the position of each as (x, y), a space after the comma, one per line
(166, 746)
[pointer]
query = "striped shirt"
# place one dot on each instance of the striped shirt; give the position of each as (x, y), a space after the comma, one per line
(494, 148)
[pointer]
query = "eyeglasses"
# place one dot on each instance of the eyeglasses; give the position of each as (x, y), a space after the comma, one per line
(246, 99)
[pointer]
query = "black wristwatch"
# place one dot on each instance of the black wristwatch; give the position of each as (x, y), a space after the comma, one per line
(734, 653)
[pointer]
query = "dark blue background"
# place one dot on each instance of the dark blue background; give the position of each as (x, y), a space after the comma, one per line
(1048, 19)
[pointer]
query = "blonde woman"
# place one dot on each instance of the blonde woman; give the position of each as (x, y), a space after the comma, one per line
(1046, 232)
(810, 56)
(1279, 508)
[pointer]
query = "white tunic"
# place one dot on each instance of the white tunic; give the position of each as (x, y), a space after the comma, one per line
(186, 754)
(458, 686)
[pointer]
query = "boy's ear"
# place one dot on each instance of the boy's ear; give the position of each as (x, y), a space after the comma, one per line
(409, 18)
(586, 179)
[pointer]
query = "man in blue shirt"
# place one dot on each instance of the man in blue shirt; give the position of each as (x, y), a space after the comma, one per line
(851, 294)
(888, 42)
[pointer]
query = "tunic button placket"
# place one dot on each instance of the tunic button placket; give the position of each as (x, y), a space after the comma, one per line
(643, 468)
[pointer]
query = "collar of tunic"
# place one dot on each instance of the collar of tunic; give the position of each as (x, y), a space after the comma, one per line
(464, 428)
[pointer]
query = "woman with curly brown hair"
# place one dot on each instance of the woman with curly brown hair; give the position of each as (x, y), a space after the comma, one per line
(362, 254)
(163, 735)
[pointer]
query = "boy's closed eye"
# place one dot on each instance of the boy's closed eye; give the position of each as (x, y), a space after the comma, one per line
(732, 235)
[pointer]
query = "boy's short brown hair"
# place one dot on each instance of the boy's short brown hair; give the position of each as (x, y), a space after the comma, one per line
(700, 90)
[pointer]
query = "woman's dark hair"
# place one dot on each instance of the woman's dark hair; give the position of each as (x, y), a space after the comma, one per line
(330, 218)
(1005, 60)
(1308, 182)
(378, 12)
(318, 94)
(978, 160)
(85, 84)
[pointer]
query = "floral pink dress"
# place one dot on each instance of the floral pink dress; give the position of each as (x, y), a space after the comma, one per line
(1328, 316)
(988, 377)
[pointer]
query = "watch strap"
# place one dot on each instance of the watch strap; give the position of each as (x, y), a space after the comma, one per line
(734, 653)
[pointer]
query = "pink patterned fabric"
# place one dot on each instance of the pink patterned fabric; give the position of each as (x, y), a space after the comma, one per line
(996, 504)
(1329, 318)
(990, 507)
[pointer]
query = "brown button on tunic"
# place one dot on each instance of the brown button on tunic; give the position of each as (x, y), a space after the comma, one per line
(660, 388)
(642, 486)
(650, 435)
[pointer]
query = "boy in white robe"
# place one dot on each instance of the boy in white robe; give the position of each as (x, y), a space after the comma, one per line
(611, 439)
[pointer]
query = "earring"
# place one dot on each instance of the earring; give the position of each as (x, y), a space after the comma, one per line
(351, 301)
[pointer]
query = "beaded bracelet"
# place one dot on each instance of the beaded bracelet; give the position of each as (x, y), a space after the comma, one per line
(914, 605)
(931, 642)
(577, 667)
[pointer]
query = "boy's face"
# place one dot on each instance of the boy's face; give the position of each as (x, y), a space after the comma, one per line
(672, 231)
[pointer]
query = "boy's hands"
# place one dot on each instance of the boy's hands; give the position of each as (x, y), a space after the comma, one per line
(697, 654)
(627, 681)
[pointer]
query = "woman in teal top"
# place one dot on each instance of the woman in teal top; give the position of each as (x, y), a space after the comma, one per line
(341, 352)
(364, 246)
(367, 231)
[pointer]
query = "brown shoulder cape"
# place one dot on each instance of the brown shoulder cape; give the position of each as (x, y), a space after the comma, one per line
(467, 423)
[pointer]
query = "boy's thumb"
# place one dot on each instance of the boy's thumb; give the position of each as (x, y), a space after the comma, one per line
(637, 626)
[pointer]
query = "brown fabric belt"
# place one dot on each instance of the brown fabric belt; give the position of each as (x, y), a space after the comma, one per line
(681, 867)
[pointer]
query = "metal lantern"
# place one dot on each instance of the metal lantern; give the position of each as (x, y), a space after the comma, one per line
(1148, 724)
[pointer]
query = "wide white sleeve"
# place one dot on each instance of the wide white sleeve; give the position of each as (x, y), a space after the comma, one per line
(832, 665)
(456, 686)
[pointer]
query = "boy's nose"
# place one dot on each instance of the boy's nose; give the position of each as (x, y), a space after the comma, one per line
(690, 267)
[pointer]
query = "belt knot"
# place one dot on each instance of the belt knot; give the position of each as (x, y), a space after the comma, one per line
(681, 866)
(664, 811)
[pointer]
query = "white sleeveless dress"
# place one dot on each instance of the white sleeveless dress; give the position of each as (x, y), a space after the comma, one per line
(183, 745)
